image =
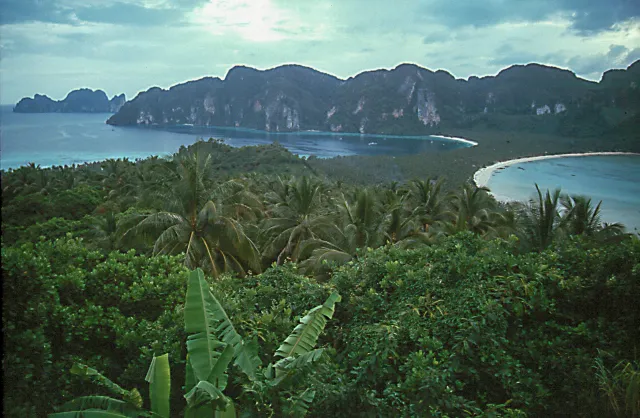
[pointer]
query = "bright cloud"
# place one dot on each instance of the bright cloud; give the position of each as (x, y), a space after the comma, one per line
(253, 20)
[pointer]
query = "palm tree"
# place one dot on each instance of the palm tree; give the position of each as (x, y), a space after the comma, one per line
(195, 223)
(359, 226)
(400, 227)
(44, 182)
(113, 172)
(580, 217)
(425, 197)
(147, 182)
(104, 231)
(296, 215)
(66, 177)
(16, 182)
(541, 219)
(471, 209)
(240, 202)
(505, 222)
(363, 217)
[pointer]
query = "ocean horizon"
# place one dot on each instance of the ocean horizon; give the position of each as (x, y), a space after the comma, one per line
(51, 139)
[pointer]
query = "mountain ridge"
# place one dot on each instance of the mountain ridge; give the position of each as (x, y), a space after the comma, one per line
(407, 99)
(81, 100)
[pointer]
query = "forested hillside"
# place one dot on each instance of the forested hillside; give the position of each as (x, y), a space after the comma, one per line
(278, 291)
(408, 99)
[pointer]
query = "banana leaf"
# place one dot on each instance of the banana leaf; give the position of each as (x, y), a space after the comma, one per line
(104, 404)
(211, 331)
(159, 378)
(305, 335)
(131, 396)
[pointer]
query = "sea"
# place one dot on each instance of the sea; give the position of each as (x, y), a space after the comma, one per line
(51, 139)
(612, 179)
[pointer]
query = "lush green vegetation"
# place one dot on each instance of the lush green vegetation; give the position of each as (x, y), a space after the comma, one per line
(452, 304)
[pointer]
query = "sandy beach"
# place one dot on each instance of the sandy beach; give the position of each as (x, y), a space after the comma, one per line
(454, 138)
(482, 176)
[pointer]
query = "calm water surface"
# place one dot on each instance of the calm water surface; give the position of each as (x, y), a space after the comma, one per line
(58, 138)
(613, 179)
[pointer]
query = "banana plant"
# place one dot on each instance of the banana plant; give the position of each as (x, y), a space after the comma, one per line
(213, 344)
(297, 353)
(130, 405)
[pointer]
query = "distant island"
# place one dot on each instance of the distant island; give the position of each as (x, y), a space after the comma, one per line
(77, 101)
(407, 100)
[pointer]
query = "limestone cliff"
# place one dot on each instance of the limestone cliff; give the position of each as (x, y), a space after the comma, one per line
(405, 100)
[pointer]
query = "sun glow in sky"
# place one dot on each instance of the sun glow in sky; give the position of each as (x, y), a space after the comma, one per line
(52, 47)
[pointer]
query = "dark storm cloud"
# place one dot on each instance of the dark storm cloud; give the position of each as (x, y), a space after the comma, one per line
(21, 11)
(593, 16)
(120, 13)
(586, 16)
(484, 13)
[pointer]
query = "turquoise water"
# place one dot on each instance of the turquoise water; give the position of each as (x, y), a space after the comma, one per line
(67, 138)
(613, 179)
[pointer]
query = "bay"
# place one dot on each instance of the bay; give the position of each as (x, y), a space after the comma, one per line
(72, 138)
(613, 179)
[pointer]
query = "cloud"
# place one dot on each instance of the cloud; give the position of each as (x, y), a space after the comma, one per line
(123, 12)
(586, 16)
(128, 14)
(618, 56)
(437, 37)
(507, 55)
(510, 54)
(633, 56)
(19, 11)
(592, 16)
(256, 20)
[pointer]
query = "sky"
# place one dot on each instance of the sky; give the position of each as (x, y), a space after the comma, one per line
(126, 46)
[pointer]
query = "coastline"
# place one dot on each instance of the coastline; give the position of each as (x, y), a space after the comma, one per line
(309, 132)
(455, 138)
(481, 177)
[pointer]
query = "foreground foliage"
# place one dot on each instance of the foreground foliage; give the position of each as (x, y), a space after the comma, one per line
(467, 325)
(453, 304)
(212, 345)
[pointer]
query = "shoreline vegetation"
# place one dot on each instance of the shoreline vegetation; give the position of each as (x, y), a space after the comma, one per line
(459, 165)
(482, 176)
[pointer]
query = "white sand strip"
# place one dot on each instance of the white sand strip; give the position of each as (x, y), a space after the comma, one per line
(454, 138)
(482, 176)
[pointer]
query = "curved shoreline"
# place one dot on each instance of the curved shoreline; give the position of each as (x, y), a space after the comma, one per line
(455, 138)
(481, 177)
(308, 132)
